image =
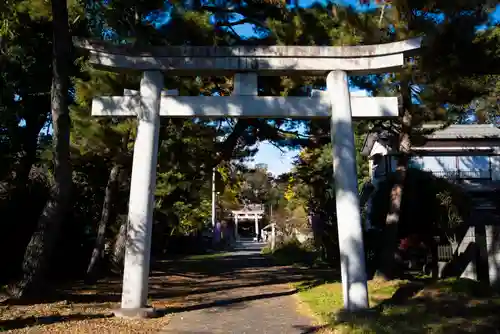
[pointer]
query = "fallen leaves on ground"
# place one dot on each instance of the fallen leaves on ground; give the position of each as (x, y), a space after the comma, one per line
(67, 317)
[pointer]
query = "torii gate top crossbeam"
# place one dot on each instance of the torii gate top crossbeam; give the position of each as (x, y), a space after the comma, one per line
(247, 214)
(265, 60)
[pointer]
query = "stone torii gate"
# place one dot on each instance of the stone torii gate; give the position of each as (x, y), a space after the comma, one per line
(254, 212)
(245, 63)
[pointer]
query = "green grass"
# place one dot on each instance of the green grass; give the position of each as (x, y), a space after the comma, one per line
(448, 306)
(325, 299)
(207, 256)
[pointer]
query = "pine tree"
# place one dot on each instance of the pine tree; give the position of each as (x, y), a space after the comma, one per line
(41, 245)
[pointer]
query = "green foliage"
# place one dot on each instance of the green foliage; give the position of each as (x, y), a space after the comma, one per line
(313, 170)
(192, 218)
(291, 251)
(317, 26)
(256, 186)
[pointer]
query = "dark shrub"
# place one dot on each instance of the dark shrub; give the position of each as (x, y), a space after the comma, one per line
(429, 205)
(20, 209)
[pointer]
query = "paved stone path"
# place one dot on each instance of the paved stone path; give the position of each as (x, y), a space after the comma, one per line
(241, 293)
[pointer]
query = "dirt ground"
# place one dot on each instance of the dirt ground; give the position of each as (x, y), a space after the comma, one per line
(175, 287)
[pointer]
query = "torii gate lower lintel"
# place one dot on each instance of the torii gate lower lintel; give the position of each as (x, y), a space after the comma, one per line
(246, 64)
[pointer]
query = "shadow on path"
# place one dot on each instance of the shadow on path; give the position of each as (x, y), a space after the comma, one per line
(225, 302)
(240, 292)
(6, 325)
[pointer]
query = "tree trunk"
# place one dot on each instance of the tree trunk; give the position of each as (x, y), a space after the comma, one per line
(118, 250)
(387, 263)
(107, 207)
(42, 243)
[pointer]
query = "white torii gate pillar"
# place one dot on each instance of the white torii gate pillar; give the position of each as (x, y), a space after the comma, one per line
(256, 219)
(236, 233)
(350, 231)
(141, 202)
(273, 236)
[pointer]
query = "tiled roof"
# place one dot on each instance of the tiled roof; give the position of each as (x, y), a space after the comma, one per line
(464, 131)
(451, 132)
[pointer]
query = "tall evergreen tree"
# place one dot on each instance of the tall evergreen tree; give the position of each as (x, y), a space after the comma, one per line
(42, 243)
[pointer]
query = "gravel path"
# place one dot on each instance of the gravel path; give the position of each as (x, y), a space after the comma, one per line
(241, 293)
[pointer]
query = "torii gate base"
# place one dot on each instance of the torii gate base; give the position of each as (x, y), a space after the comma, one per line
(246, 63)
